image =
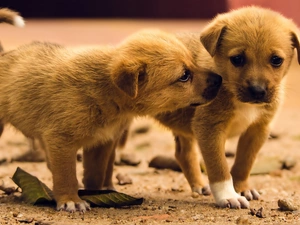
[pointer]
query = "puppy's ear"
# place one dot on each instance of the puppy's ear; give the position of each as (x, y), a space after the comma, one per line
(296, 44)
(126, 77)
(211, 37)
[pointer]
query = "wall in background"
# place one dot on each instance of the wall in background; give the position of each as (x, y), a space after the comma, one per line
(118, 8)
(170, 9)
(289, 8)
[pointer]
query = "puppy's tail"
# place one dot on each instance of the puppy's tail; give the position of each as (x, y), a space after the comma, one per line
(11, 17)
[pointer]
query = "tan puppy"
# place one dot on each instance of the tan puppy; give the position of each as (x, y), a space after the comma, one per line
(71, 98)
(252, 48)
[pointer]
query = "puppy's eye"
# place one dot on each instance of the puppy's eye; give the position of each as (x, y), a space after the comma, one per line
(186, 76)
(238, 60)
(276, 61)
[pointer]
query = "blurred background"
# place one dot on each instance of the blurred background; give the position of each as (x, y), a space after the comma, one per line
(99, 22)
(179, 9)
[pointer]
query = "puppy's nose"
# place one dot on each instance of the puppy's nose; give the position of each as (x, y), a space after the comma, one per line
(257, 92)
(213, 82)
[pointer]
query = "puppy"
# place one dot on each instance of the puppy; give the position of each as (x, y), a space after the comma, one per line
(71, 98)
(252, 49)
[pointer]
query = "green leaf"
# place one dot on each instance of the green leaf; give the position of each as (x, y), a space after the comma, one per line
(33, 190)
(107, 198)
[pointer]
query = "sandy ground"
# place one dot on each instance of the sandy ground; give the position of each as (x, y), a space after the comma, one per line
(168, 199)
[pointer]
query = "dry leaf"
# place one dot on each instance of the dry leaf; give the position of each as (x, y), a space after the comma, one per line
(34, 192)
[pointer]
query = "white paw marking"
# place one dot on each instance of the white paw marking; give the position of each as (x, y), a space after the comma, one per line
(225, 195)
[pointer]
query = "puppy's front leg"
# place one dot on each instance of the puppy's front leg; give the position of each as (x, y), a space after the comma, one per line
(211, 139)
(62, 160)
(98, 164)
(249, 144)
(188, 158)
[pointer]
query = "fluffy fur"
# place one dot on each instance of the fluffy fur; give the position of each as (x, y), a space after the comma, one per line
(252, 49)
(85, 97)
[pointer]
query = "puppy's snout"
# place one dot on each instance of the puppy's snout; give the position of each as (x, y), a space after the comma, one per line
(213, 82)
(257, 92)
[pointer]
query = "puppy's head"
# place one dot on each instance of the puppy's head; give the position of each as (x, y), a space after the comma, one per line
(157, 71)
(252, 48)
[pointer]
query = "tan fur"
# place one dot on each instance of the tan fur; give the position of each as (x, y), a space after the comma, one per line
(85, 97)
(257, 34)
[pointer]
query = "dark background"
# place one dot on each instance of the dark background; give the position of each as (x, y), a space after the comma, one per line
(179, 9)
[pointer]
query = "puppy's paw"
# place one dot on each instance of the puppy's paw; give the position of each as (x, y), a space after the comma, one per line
(202, 190)
(234, 203)
(251, 194)
(226, 197)
(71, 206)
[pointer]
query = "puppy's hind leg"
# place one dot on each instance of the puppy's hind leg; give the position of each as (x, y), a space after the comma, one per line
(1, 127)
(1, 123)
(188, 158)
(108, 184)
(98, 166)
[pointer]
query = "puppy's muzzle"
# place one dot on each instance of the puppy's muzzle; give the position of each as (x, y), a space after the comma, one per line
(255, 94)
(213, 82)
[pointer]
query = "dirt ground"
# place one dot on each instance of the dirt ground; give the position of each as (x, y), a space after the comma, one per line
(168, 198)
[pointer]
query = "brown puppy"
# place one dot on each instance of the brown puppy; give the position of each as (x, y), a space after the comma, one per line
(252, 48)
(71, 98)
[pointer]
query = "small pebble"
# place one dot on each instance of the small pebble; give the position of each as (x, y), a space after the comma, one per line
(197, 217)
(130, 159)
(164, 162)
(286, 205)
(79, 157)
(273, 135)
(7, 190)
(142, 130)
(195, 195)
(27, 220)
(229, 154)
(123, 179)
(177, 189)
(289, 162)
(242, 220)
(2, 161)
(260, 213)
